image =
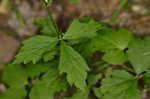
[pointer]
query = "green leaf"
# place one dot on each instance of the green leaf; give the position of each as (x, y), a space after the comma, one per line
(15, 76)
(74, 1)
(82, 30)
(147, 80)
(50, 55)
(139, 55)
(34, 48)
(93, 79)
(41, 90)
(115, 57)
(120, 85)
(72, 63)
(116, 39)
(79, 94)
(51, 83)
(108, 39)
(47, 25)
(34, 70)
(14, 93)
(97, 92)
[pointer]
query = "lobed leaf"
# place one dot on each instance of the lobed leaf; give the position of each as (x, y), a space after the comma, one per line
(107, 40)
(51, 83)
(34, 48)
(120, 85)
(72, 63)
(82, 30)
(139, 55)
(115, 57)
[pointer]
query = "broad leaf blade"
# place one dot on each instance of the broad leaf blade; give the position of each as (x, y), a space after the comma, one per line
(82, 30)
(120, 85)
(15, 76)
(50, 55)
(34, 70)
(118, 39)
(41, 90)
(93, 79)
(51, 83)
(72, 63)
(34, 48)
(115, 57)
(139, 55)
(14, 93)
(108, 39)
(98, 93)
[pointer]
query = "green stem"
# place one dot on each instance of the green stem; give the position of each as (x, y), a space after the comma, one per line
(51, 18)
(128, 69)
(139, 76)
(20, 17)
(118, 10)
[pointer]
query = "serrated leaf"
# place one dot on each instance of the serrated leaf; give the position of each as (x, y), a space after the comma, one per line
(139, 55)
(115, 57)
(34, 48)
(108, 39)
(15, 76)
(50, 55)
(51, 83)
(47, 26)
(118, 39)
(72, 63)
(14, 93)
(120, 85)
(82, 30)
